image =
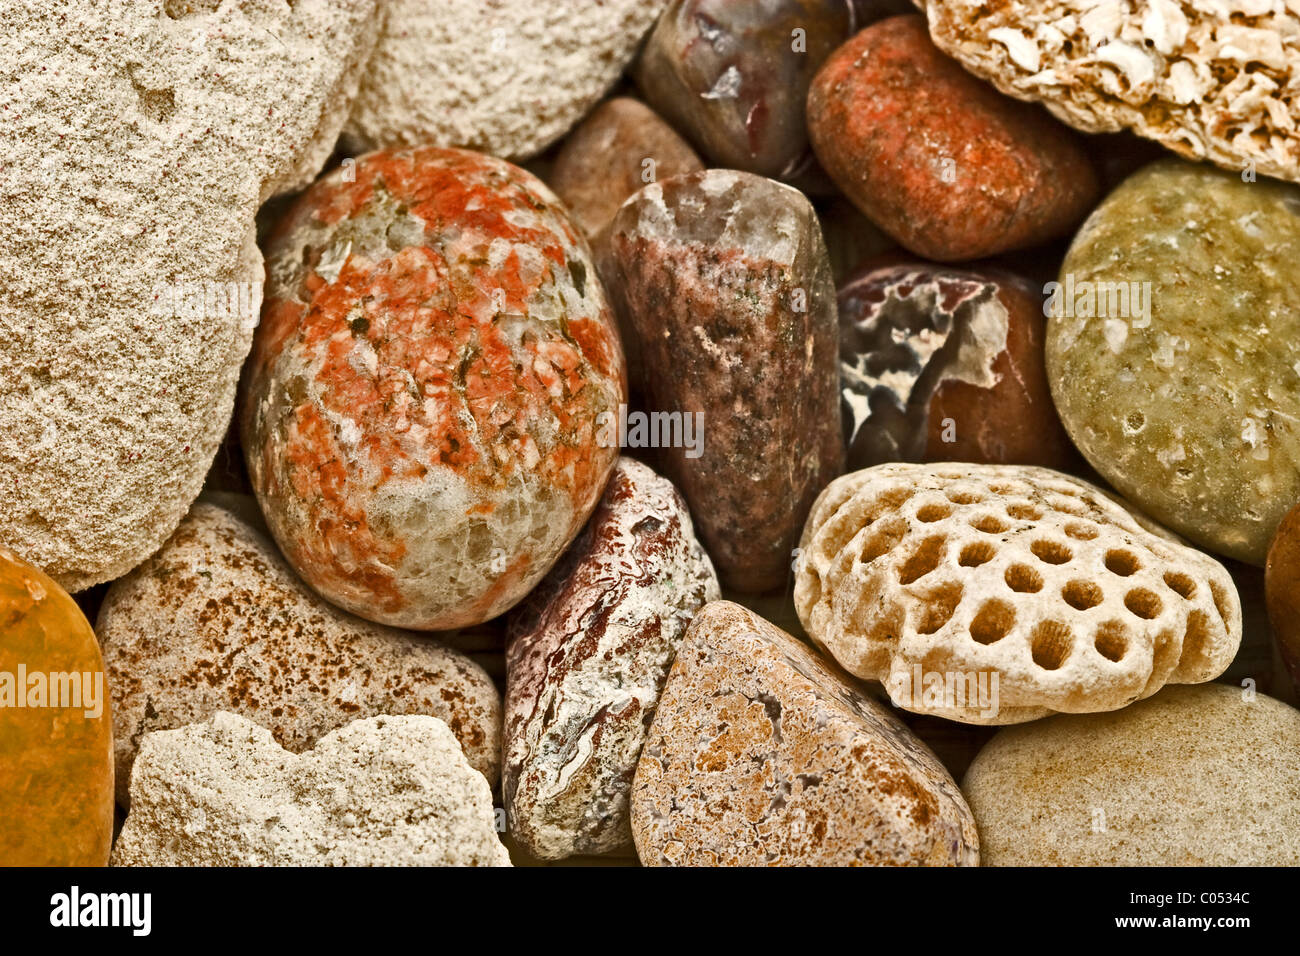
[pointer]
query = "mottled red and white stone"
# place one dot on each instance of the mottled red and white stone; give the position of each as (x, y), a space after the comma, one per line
(590, 650)
(420, 414)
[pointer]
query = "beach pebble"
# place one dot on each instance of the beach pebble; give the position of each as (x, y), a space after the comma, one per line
(56, 727)
(217, 621)
(1282, 592)
(383, 791)
(1173, 351)
(509, 77)
(946, 165)
(590, 650)
(726, 283)
(762, 755)
(421, 416)
(1195, 776)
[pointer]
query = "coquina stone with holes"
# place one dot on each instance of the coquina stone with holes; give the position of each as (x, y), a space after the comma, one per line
(997, 594)
(422, 411)
(763, 754)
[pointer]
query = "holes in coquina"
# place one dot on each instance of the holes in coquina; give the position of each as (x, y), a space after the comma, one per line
(1081, 595)
(1023, 579)
(959, 497)
(1051, 552)
(1121, 562)
(923, 560)
(992, 622)
(933, 512)
(1081, 531)
(1050, 644)
(976, 553)
(989, 524)
(1180, 584)
(1111, 641)
(1143, 603)
(1025, 512)
(939, 607)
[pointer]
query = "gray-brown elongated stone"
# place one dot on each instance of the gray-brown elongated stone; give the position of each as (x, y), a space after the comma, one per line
(727, 287)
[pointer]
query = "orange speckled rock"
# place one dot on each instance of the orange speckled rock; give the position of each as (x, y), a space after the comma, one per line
(761, 755)
(420, 411)
(56, 762)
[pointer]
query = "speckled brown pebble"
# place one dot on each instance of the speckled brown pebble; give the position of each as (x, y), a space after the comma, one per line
(217, 621)
(590, 651)
(760, 754)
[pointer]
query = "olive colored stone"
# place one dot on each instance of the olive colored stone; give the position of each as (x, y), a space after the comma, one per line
(56, 729)
(1282, 591)
(1173, 350)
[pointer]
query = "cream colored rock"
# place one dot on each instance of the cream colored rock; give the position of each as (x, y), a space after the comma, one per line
(217, 621)
(1195, 776)
(995, 594)
(1209, 79)
(385, 791)
(507, 78)
(139, 140)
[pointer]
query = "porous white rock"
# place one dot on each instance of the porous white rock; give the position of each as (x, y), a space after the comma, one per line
(385, 791)
(1209, 79)
(137, 140)
(1040, 587)
(509, 77)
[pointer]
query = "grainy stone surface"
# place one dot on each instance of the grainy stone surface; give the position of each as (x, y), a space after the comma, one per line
(1282, 592)
(1195, 776)
(949, 167)
(761, 755)
(421, 411)
(384, 791)
(943, 364)
(1209, 80)
(217, 621)
(507, 77)
(727, 286)
(1189, 404)
(56, 761)
(138, 141)
(590, 650)
(1013, 574)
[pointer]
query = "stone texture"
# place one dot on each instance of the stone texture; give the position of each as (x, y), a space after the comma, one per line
(760, 754)
(509, 77)
(1188, 405)
(138, 141)
(943, 364)
(217, 621)
(1209, 80)
(384, 791)
(944, 164)
(590, 650)
(726, 283)
(1013, 573)
(421, 411)
(1282, 592)
(1195, 776)
(56, 762)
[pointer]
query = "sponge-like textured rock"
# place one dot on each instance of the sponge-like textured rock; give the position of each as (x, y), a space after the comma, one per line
(506, 77)
(217, 621)
(1209, 79)
(1033, 582)
(139, 140)
(385, 791)
(1195, 776)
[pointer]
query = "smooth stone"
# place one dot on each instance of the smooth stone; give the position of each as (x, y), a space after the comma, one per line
(946, 165)
(1282, 592)
(56, 762)
(762, 755)
(1189, 406)
(422, 411)
(1195, 776)
(725, 281)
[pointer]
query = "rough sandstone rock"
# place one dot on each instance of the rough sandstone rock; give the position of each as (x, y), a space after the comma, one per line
(590, 650)
(384, 791)
(761, 755)
(421, 416)
(1195, 776)
(56, 727)
(509, 77)
(217, 621)
(1016, 573)
(725, 280)
(1208, 79)
(944, 164)
(139, 140)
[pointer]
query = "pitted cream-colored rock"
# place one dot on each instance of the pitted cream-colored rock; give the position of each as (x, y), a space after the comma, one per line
(216, 620)
(1208, 79)
(506, 77)
(995, 594)
(139, 139)
(384, 791)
